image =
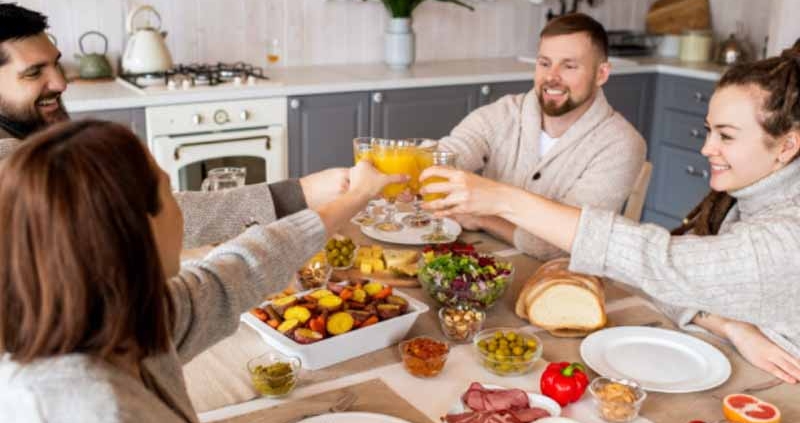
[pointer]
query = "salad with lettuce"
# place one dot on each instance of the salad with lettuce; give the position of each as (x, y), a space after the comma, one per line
(462, 277)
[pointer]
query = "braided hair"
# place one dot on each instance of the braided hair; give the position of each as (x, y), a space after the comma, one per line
(779, 78)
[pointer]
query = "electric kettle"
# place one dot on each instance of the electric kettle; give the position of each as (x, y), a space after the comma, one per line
(146, 51)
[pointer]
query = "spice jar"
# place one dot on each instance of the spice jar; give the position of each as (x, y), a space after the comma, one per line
(461, 324)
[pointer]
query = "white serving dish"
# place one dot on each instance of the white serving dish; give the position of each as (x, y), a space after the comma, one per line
(342, 347)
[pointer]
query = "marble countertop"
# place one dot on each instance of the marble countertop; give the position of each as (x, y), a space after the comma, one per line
(83, 96)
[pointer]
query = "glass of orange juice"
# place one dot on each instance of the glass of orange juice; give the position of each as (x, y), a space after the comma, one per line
(424, 146)
(438, 158)
(362, 146)
(273, 51)
(393, 157)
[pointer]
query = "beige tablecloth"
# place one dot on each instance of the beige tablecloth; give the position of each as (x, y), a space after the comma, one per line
(218, 377)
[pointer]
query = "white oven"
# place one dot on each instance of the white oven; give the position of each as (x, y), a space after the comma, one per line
(187, 140)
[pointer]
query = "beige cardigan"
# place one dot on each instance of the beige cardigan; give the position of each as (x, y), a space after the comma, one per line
(594, 163)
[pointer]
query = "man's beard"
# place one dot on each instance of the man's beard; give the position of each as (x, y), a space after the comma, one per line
(31, 117)
(553, 109)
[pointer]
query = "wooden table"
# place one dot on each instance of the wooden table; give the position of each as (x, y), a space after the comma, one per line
(218, 378)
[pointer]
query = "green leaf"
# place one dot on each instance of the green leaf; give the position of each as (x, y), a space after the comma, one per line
(457, 2)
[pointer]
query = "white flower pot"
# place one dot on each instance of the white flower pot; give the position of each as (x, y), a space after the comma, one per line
(399, 47)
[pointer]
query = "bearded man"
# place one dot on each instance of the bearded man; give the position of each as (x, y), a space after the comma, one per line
(561, 140)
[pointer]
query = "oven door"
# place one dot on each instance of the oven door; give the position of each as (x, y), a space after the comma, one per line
(187, 158)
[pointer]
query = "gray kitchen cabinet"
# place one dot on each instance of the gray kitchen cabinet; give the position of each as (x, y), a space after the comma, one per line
(632, 96)
(489, 93)
(321, 129)
(680, 172)
(420, 112)
(131, 118)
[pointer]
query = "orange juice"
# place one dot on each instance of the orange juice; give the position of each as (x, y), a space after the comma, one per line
(395, 161)
(360, 155)
(424, 161)
(433, 180)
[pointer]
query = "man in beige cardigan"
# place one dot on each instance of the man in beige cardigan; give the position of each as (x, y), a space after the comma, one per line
(561, 140)
(31, 84)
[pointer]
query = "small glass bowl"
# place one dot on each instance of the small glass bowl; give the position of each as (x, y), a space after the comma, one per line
(617, 400)
(423, 356)
(273, 374)
(495, 350)
(314, 274)
(460, 324)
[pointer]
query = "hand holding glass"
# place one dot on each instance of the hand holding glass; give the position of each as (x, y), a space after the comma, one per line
(438, 158)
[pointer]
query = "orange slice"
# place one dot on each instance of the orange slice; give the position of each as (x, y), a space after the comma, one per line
(741, 408)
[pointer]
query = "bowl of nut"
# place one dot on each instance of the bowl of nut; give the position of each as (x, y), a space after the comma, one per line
(508, 351)
(314, 274)
(460, 324)
(617, 400)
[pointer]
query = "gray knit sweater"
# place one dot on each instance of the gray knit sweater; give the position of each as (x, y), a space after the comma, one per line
(209, 296)
(213, 217)
(750, 271)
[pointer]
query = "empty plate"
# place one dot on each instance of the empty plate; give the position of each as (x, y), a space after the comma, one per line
(660, 360)
(410, 236)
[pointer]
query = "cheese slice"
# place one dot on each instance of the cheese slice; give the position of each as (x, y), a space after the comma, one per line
(398, 258)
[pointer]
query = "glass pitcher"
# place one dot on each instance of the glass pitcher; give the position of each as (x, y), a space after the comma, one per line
(224, 178)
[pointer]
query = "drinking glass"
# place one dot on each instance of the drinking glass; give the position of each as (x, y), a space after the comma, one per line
(221, 178)
(438, 158)
(424, 146)
(393, 157)
(273, 52)
(361, 150)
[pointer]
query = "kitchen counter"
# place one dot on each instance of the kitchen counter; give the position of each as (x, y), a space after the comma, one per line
(82, 96)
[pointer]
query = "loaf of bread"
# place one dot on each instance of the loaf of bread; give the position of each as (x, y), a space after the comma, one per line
(562, 302)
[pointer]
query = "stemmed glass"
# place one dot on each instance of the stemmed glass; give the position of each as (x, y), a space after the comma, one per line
(438, 158)
(423, 146)
(362, 146)
(393, 157)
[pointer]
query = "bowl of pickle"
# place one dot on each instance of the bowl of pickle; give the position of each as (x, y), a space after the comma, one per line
(273, 374)
(508, 351)
(340, 252)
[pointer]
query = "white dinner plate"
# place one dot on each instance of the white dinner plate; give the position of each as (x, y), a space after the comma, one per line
(410, 236)
(536, 400)
(660, 360)
(353, 417)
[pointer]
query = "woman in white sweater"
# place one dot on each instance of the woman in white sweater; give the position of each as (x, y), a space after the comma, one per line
(733, 267)
(97, 314)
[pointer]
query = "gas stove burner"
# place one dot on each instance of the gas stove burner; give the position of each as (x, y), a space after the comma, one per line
(200, 75)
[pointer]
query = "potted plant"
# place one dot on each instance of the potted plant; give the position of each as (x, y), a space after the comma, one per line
(399, 47)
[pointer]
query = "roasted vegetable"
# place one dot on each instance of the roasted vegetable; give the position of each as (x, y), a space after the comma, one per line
(317, 324)
(359, 316)
(273, 315)
(307, 336)
(320, 293)
(339, 323)
(373, 288)
(398, 301)
(359, 295)
(330, 303)
(288, 326)
(387, 311)
(281, 304)
(261, 314)
(299, 313)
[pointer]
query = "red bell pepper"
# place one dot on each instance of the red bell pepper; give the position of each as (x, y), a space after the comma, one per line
(564, 382)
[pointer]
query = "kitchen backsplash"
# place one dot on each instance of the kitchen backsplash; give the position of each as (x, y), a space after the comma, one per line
(350, 31)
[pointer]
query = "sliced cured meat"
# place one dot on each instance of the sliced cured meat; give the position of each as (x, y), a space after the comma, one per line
(525, 415)
(479, 398)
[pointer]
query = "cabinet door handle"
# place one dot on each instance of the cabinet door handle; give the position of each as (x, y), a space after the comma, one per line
(696, 133)
(486, 90)
(268, 143)
(294, 103)
(377, 97)
(700, 97)
(694, 172)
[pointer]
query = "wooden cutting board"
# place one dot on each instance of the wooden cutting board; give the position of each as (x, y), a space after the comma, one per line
(675, 16)
(387, 278)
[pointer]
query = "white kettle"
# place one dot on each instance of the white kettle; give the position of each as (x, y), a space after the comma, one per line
(146, 51)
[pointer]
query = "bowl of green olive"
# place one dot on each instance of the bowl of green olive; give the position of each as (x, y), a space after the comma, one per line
(340, 251)
(274, 374)
(508, 351)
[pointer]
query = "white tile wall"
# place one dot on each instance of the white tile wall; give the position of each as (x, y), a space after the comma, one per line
(350, 31)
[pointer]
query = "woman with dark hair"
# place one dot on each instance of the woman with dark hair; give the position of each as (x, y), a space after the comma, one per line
(732, 268)
(97, 316)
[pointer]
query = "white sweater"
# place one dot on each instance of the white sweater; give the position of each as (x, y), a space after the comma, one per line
(595, 162)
